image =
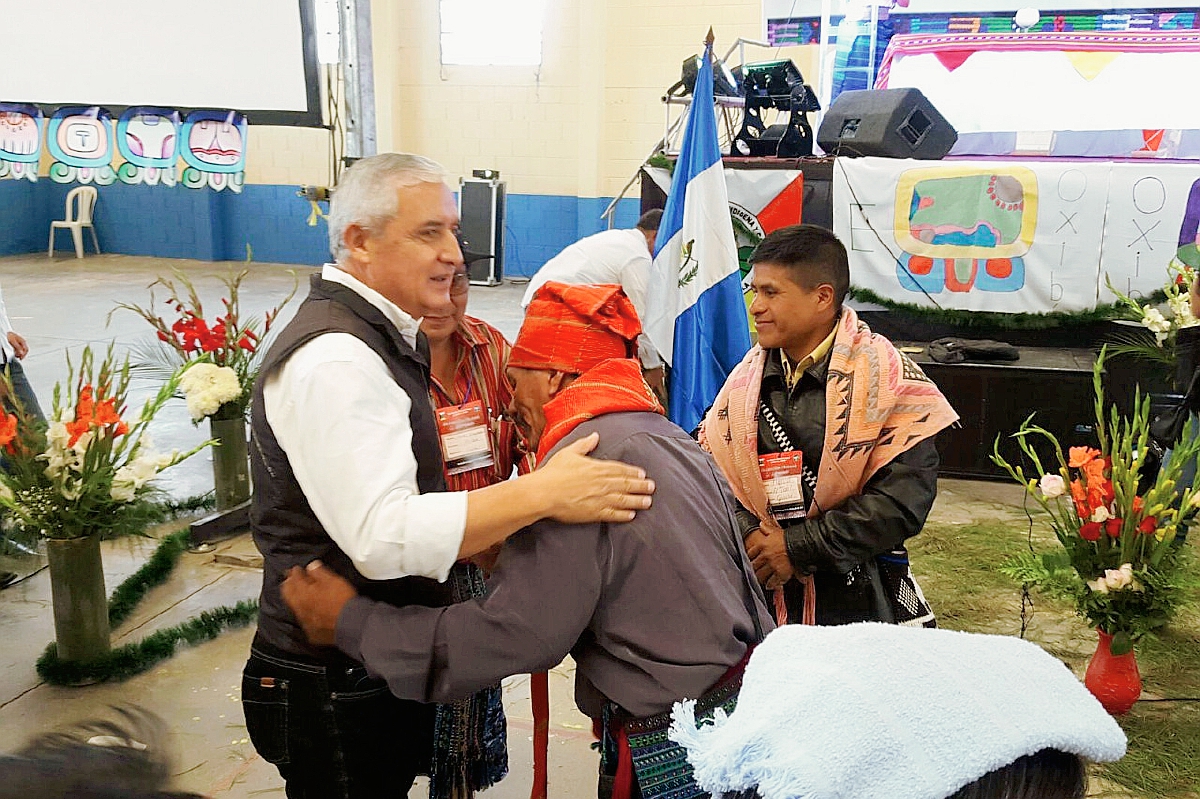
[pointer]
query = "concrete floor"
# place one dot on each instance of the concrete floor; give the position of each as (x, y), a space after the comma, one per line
(62, 304)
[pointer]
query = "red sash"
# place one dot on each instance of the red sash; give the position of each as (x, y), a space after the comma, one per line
(610, 386)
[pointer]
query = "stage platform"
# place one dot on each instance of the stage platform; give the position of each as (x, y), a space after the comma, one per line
(993, 398)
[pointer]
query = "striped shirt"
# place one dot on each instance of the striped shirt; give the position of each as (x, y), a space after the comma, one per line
(479, 375)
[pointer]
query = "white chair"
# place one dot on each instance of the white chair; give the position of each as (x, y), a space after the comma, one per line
(84, 199)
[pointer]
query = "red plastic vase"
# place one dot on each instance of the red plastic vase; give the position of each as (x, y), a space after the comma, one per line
(1113, 679)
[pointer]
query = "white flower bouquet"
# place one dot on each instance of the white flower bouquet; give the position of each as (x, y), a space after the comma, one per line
(1156, 340)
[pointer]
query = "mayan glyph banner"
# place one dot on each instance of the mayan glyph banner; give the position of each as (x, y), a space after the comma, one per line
(1013, 236)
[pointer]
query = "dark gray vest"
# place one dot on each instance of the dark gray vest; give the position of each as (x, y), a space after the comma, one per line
(285, 528)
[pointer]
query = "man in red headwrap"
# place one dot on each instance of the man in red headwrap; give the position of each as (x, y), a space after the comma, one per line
(661, 609)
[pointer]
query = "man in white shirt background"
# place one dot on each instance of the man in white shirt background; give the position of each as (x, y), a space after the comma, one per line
(14, 351)
(347, 468)
(618, 256)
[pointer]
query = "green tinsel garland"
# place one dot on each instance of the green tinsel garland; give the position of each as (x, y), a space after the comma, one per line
(1005, 321)
(130, 659)
(154, 572)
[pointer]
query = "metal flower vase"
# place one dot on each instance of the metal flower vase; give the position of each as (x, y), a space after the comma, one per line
(1113, 679)
(231, 463)
(81, 629)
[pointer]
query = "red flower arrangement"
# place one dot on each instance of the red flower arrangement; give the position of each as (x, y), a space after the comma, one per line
(230, 340)
(1118, 543)
(76, 474)
(192, 335)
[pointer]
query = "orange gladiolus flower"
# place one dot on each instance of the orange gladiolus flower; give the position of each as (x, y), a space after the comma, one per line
(89, 413)
(1093, 470)
(1078, 456)
(8, 431)
(86, 406)
(77, 429)
(106, 413)
(1078, 492)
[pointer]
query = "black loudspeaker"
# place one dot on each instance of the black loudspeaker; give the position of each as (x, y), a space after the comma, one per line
(890, 123)
(481, 225)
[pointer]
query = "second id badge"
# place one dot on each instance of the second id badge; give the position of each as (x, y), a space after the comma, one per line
(781, 475)
(463, 432)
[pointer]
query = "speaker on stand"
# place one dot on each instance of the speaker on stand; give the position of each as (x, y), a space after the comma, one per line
(889, 123)
(481, 224)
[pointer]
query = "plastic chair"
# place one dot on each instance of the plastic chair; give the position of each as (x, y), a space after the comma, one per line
(84, 198)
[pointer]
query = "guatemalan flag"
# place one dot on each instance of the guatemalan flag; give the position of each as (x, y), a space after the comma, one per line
(695, 310)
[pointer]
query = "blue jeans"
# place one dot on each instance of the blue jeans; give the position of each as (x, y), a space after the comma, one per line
(23, 390)
(333, 731)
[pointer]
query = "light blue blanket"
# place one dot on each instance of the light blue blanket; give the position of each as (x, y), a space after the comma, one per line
(868, 711)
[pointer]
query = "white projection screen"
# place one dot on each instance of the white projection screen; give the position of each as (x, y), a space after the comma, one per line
(254, 56)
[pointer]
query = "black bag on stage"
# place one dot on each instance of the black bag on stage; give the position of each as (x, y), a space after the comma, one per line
(957, 350)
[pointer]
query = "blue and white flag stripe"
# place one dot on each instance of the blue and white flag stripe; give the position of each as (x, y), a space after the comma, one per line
(695, 310)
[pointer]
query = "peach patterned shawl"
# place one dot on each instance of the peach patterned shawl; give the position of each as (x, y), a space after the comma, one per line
(878, 405)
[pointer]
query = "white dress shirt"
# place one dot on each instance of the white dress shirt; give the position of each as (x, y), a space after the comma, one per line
(343, 422)
(611, 256)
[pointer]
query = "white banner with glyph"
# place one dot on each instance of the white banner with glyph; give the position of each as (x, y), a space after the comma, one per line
(1013, 236)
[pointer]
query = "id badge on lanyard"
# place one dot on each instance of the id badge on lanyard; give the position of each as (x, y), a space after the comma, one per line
(781, 473)
(463, 432)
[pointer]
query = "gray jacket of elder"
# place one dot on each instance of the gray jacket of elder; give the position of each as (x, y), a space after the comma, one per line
(652, 611)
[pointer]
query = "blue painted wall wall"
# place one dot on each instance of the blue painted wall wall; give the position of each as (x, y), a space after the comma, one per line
(176, 222)
(539, 226)
(20, 218)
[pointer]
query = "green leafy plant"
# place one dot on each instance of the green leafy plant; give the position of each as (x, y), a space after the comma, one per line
(994, 320)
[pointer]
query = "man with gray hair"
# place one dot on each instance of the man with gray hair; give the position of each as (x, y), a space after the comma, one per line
(346, 459)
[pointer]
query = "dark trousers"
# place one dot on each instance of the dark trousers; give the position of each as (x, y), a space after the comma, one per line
(22, 389)
(332, 731)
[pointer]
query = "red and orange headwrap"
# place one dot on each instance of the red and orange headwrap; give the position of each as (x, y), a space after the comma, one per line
(571, 328)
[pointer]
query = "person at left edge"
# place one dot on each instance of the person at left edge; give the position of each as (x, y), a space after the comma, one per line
(347, 468)
(14, 349)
